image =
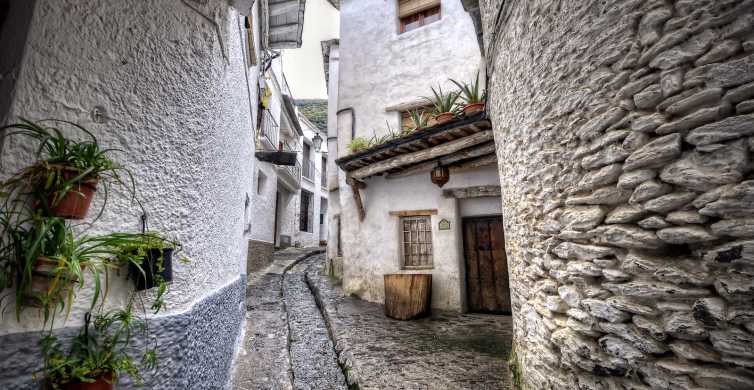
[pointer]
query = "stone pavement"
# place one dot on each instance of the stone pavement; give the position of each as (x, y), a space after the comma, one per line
(446, 351)
(285, 349)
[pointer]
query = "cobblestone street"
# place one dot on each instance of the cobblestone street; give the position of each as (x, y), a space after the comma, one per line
(288, 345)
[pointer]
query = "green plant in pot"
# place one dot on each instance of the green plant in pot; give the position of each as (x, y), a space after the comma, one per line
(472, 96)
(149, 257)
(443, 105)
(67, 173)
(100, 354)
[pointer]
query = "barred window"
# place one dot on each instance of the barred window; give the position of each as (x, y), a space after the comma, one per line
(416, 234)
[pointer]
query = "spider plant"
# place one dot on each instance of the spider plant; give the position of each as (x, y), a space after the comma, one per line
(100, 353)
(470, 93)
(63, 167)
(442, 102)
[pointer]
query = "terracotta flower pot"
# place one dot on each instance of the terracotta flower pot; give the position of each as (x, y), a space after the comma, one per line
(445, 117)
(42, 279)
(104, 382)
(75, 203)
(471, 109)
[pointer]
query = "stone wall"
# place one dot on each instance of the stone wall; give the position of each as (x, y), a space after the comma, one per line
(624, 133)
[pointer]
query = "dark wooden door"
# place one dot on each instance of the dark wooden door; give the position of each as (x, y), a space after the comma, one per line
(486, 265)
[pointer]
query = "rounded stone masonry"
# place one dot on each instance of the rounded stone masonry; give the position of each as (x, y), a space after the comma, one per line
(625, 135)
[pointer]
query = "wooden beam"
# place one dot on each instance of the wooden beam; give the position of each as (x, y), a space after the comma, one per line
(406, 106)
(475, 163)
(357, 196)
(288, 28)
(481, 150)
(472, 192)
(414, 213)
(422, 155)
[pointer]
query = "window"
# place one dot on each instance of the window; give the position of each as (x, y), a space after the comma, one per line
(416, 235)
(417, 13)
(306, 212)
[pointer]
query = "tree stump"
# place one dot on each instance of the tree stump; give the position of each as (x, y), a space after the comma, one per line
(407, 296)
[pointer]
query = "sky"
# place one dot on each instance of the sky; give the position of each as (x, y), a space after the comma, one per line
(303, 67)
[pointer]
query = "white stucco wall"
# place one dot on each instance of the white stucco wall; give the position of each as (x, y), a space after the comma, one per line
(176, 107)
(377, 68)
(380, 67)
(372, 248)
(333, 147)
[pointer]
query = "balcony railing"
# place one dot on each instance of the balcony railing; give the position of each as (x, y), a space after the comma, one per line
(293, 170)
(270, 130)
(309, 169)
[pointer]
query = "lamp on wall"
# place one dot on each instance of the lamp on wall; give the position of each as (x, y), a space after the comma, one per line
(440, 175)
(317, 141)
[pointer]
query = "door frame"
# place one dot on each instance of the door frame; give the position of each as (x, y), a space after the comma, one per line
(464, 221)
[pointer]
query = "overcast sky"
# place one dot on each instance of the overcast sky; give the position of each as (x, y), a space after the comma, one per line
(303, 67)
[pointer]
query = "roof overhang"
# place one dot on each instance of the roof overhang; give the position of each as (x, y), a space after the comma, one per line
(290, 113)
(461, 144)
(326, 45)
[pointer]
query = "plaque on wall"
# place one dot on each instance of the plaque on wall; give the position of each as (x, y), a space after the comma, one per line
(444, 224)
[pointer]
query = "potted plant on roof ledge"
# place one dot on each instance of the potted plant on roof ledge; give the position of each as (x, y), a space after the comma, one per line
(472, 97)
(443, 105)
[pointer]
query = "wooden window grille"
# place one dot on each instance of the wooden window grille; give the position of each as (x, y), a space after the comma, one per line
(416, 234)
(417, 13)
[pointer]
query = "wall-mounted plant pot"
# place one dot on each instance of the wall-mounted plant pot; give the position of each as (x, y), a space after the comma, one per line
(104, 382)
(149, 265)
(445, 117)
(277, 158)
(471, 109)
(75, 203)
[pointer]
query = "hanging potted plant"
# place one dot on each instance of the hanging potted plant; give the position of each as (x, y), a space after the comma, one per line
(63, 181)
(99, 354)
(443, 105)
(472, 97)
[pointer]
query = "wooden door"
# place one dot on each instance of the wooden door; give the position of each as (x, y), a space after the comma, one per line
(486, 265)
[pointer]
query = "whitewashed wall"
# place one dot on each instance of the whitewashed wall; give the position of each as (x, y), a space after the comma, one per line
(372, 248)
(378, 68)
(176, 103)
(334, 151)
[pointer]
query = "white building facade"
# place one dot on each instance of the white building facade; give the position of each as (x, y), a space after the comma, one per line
(174, 87)
(371, 88)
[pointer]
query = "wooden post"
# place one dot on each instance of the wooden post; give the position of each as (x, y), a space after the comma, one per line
(355, 186)
(407, 296)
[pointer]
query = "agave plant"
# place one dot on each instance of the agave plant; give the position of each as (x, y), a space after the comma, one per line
(470, 93)
(418, 120)
(442, 102)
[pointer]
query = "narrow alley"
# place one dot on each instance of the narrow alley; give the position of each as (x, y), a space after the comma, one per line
(377, 194)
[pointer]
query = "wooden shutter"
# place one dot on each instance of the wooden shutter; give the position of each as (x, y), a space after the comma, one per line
(250, 41)
(410, 7)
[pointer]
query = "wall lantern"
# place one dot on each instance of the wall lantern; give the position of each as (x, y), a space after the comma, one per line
(317, 141)
(440, 175)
